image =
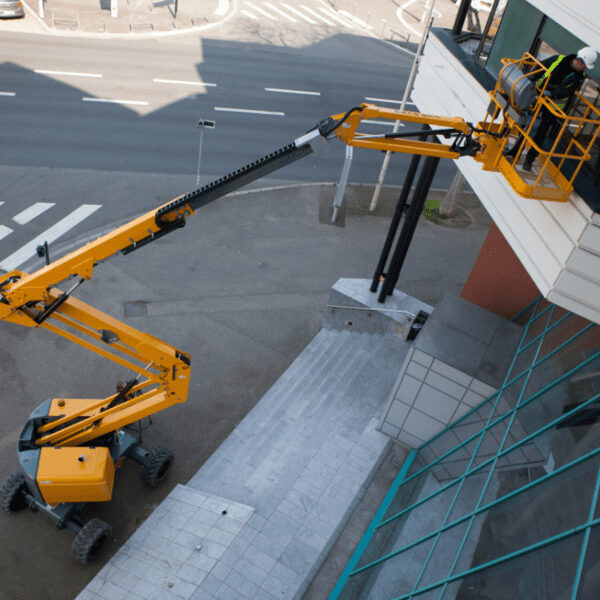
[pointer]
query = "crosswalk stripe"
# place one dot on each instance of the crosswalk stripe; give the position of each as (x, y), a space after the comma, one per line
(299, 14)
(35, 210)
(355, 19)
(50, 235)
(260, 10)
(316, 15)
(279, 11)
(249, 15)
(4, 231)
(334, 16)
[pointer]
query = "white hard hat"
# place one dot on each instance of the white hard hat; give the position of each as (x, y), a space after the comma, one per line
(588, 56)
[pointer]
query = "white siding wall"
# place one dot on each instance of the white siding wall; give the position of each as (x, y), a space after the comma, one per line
(582, 17)
(558, 243)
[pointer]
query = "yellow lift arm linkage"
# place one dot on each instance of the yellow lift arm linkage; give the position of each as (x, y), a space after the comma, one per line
(163, 372)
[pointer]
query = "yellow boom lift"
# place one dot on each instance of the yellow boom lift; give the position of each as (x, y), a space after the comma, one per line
(70, 448)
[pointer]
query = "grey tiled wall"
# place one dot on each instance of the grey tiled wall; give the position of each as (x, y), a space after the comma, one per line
(428, 396)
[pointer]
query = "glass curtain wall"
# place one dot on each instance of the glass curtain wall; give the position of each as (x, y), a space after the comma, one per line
(504, 502)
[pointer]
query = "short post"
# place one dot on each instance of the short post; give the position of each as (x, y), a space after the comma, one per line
(339, 196)
(202, 123)
(43, 250)
(41, 9)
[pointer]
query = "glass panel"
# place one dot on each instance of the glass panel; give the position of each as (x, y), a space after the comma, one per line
(425, 518)
(469, 495)
(564, 360)
(564, 331)
(509, 396)
(546, 574)
(390, 578)
(553, 506)
(515, 34)
(440, 563)
(589, 584)
(490, 445)
(407, 495)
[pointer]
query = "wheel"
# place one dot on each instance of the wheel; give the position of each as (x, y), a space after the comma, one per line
(12, 493)
(156, 465)
(88, 543)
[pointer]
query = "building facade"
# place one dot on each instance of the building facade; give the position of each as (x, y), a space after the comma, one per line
(498, 498)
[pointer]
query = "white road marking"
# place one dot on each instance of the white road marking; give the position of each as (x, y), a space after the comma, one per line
(35, 210)
(250, 15)
(316, 15)
(4, 231)
(279, 11)
(69, 73)
(222, 8)
(299, 14)
(355, 19)
(260, 10)
(386, 100)
(400, 16)
(50, 235)
(247, 110)
(7, 93)
(135, 102)
(334, 16)
(282, 91)
(182, 82)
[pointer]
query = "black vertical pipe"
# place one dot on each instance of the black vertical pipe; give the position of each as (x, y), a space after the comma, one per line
(461, 15)
(389, 240)
(410, 224)
(400, 206)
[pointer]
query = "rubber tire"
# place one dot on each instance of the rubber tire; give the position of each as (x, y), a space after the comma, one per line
(12, 496)
(156, 465)
(88, 543)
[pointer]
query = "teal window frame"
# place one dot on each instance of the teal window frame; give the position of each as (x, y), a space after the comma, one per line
(538, 310)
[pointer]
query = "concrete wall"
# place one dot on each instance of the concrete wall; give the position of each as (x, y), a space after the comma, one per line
(557, 243)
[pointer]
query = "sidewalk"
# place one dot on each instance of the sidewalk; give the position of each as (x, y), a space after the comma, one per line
(147, 18)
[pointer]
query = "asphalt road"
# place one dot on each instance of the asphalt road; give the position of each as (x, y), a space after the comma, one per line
(60, 152)
(63, 120)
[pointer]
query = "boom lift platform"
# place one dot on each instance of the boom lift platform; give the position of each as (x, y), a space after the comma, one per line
(69, 449)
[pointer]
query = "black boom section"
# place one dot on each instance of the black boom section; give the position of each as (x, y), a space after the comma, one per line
(220, 187)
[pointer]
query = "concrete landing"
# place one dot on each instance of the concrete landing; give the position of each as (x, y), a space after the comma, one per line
(288, 477)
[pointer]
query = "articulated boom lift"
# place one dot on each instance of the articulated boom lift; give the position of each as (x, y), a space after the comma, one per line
(69, 449)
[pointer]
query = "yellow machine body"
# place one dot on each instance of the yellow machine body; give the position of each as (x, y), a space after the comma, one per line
(75, 474)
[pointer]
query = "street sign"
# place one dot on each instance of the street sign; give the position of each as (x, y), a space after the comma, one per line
(206, 123)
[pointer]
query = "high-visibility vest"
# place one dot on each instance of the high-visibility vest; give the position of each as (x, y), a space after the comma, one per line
(540, 82)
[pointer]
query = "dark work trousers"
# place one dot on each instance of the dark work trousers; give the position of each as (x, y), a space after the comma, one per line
(547, 120)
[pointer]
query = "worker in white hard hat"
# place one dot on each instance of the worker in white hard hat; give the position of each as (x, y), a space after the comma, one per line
(565, 74)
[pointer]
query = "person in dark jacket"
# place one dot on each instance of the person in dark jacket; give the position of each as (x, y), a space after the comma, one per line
(565, 76)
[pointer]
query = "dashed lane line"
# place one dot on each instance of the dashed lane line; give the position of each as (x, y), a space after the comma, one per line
(183, 82)
(250, 111)
(67, 73)
(7, 94)
(110, 101)
(249, 15)
(284, 91)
